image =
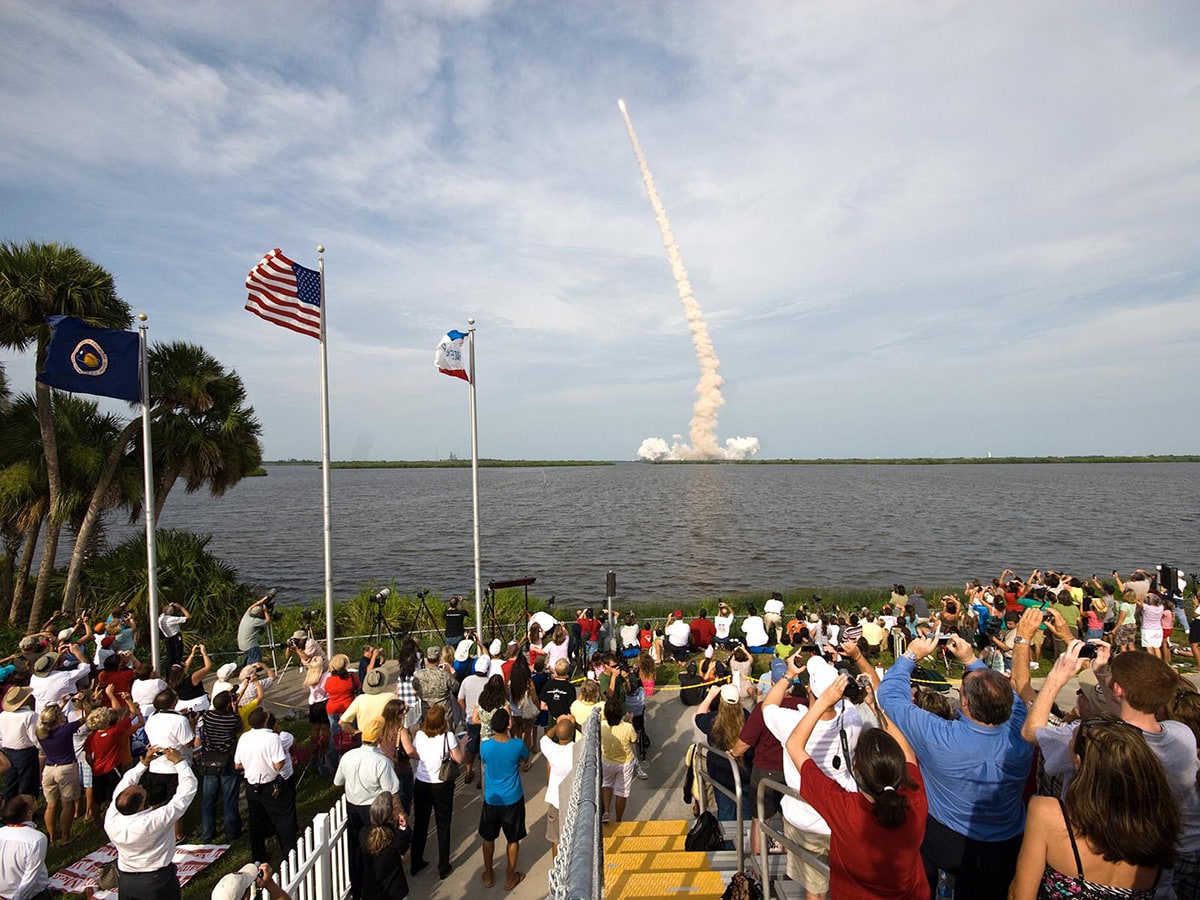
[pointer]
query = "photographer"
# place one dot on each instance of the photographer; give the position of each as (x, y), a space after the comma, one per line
(252, 626)
(456, 621)
(248, 881)
(170, 623)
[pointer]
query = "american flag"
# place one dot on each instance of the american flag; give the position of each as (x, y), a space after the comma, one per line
(285, 293)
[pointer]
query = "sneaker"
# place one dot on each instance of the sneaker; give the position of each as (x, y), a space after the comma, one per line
(605, 819)
(640, 773)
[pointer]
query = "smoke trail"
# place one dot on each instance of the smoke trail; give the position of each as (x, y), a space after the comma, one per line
(702, 430)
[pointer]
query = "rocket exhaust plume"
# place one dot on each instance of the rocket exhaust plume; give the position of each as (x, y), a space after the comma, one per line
(702, 430)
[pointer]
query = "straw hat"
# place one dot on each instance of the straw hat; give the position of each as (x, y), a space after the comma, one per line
(375, 682)
(15, 698)
(45, 663)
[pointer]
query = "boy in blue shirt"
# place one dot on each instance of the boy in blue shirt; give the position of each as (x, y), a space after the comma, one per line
(503, 798)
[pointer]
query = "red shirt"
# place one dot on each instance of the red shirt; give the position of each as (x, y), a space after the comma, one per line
(109, 748)
(703, 632)
(122, 679)
(589, 629)
(341, 693)
(645, 638)
(768, 752)
(866, 860)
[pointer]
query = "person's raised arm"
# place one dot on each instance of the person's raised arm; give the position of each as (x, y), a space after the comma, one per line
(1120, 584)
(1066, 667)
(183, 609)
(798, 740)
(851, 651)
(1026, 628)
(706, 703)
(200, 673)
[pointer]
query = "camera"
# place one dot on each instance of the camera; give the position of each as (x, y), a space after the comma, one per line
(380, 598)
(854, 692)
(308, 615)
(268, 599)
(1088, 651)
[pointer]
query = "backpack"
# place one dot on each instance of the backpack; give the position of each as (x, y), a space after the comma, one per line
(742, 887)
(705, 834)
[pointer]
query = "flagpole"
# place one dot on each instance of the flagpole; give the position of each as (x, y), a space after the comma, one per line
(148, 489)
(329, 637)
(475, 477)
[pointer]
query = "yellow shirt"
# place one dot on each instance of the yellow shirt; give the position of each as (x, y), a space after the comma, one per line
(616, 742)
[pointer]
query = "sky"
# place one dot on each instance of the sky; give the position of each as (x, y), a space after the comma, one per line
(936, 229)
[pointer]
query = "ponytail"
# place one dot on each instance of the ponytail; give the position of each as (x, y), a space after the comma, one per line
(883, 775)
(890, 807)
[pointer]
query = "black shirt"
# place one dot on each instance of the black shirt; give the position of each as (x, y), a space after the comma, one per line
(689, 694)
(558, 695)
(455, 622)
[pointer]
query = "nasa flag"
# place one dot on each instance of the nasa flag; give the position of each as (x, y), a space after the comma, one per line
(85, 360)
(449, 358)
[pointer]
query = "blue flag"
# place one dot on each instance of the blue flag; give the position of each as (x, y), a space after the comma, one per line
(86, 360)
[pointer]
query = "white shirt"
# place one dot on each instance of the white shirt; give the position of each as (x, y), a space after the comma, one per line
(287, 740)
(773, 607)
(824, 744)
(169, 729)
(430, 751)
(723, 624)
(18, 731)
(50, 687)
(169, 625)
(678, 633)
(145, 841)
(561, 760)
(366, 772)
(23, 861)
(755, 631)
(258, 752)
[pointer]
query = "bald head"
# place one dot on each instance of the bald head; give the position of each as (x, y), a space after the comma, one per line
(564, 730)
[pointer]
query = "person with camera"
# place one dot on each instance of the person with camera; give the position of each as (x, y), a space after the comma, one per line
(170, 624)
(456, 621)
(976, 817)
(23, 874)
(253, 626)
(589, 632)
(144, 832)
(247, 882)
(219, 736)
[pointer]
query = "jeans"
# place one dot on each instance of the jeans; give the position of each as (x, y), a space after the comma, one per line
(439, 800)
(227, 787)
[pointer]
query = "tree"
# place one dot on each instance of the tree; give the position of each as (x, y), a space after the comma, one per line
(39, 280)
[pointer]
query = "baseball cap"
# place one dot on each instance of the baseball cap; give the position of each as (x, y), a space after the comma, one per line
(482, 664)
(463, 651)
(820, 675)
(729, 694)
(679, 613)
(233, 885)
(226, 671)
(495, 647)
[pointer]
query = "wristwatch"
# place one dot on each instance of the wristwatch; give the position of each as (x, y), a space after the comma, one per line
(908, 654)
(1020, 640)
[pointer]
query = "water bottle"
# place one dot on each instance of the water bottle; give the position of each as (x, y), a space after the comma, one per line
(945, 885)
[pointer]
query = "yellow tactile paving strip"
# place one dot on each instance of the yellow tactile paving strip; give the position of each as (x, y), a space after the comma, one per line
(647, 860)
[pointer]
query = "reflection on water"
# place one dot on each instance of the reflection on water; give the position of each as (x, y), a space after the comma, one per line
(691, 531)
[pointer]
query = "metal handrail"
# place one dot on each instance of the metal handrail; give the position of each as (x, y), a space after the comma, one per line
(700, 764)
(766, 831)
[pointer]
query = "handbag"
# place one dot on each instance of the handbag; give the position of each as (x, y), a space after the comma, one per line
(705, 834)
(214, 762)
(448, 773)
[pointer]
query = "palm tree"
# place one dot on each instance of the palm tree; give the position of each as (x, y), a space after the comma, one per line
(39, 280)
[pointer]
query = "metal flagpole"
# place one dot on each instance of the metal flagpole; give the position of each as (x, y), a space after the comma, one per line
(475, 478)
(148, 482)
(329, 638)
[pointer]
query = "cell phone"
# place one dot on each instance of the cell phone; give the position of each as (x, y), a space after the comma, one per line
(1088, 651)
(944, 638)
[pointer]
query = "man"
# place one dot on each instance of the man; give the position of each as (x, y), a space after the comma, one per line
(703, 632)
(170, 625)
(250, 629)
(166, 728)
(838, 728)
(50, 681)
(723, 624)
(23, 874)
(468, 702)
(456, 621)
(873, 634)
(773, 617)
(270, 798)
(238, 885)
(365, 773)
(589, 631)
(144, 834)
(691, 686)
(18, 740)
(558, 749)
(1136, 685)
(679, 636)
(975, 768)
(558, 693)
(368, 705)
(503, 799)
(755, 631)
(433, 684)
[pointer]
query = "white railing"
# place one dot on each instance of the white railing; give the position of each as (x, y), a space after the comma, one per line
(319, 867)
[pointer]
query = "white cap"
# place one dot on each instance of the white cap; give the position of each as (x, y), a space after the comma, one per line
(495, 647)
(233, 885)
(226, 671)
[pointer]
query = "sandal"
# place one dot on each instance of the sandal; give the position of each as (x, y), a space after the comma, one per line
(489, 882)
(518, 878)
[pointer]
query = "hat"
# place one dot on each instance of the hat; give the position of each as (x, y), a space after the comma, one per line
(495, 647)
(300, 635)
(375, 682)
(100, 628)
(820, 675)
(29, 642)
(226, 671)
(45, 663)
(15, 698)
(249, 670)
(729, 694)
(679, 613)
(233, 885)
(482, 665)
(463, 651)
(108, 642)
(339, 662)
(65, 634)
(373, 730)
(434, 653)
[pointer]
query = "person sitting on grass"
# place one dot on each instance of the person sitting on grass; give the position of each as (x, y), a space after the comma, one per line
(755, 631)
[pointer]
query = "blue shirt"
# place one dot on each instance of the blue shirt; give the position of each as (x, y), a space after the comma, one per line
(502, 762)
(974, 774)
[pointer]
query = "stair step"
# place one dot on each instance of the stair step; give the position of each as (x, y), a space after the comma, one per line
(645, 837)
(656, 861)
(628, 885)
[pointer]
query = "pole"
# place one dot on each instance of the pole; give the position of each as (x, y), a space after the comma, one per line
(329, 638)
(148, 488)
(475, 477)
(610, 586)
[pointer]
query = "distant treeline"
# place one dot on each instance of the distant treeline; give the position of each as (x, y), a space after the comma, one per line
(853, 461)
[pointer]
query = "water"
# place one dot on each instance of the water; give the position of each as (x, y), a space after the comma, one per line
(686, 532)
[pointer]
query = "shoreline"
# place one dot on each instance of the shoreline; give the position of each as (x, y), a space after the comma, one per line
(780, 461)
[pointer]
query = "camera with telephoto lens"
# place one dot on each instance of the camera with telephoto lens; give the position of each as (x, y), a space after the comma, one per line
(380, 597)
(268, 599)
(854, 692)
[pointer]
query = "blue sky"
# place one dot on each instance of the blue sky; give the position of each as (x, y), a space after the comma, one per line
(915, 230)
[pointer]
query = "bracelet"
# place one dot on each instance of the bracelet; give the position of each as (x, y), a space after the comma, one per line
(1020, 640)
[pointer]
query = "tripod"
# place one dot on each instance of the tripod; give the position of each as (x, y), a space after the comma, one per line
(425, 615)
(383, 627)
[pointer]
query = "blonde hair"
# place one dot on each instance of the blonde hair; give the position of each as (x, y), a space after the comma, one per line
(589, 692)
(49, 719)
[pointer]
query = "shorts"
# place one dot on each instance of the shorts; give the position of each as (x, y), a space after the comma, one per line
(317, 714)
(618, 776)
(85, 775)
(772, 800)
(509, 819)
(551, 825)
(61, 783)
(803, 872)
(473, 739)
(1126, 634)
(1152, 638)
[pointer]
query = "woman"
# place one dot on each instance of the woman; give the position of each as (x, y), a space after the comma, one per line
(391, 745)
(219, 780)
(494, 696)
(108, 749)
(617, 739)
(60, 777)
(430, 746)
(647, 672)
(536, 647)
(1093, 615)
(722, 729)
(384, 840)
(1113, 832)
(189, 686)
(587, 699)
(741, 664)
(876, 833)
(341, 687)
(409, 660)
(1125, 630)
(558, 646)
(1152, 625)
(523, 701)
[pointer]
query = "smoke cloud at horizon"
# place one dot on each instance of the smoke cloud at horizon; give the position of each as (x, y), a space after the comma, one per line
(702, 429)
